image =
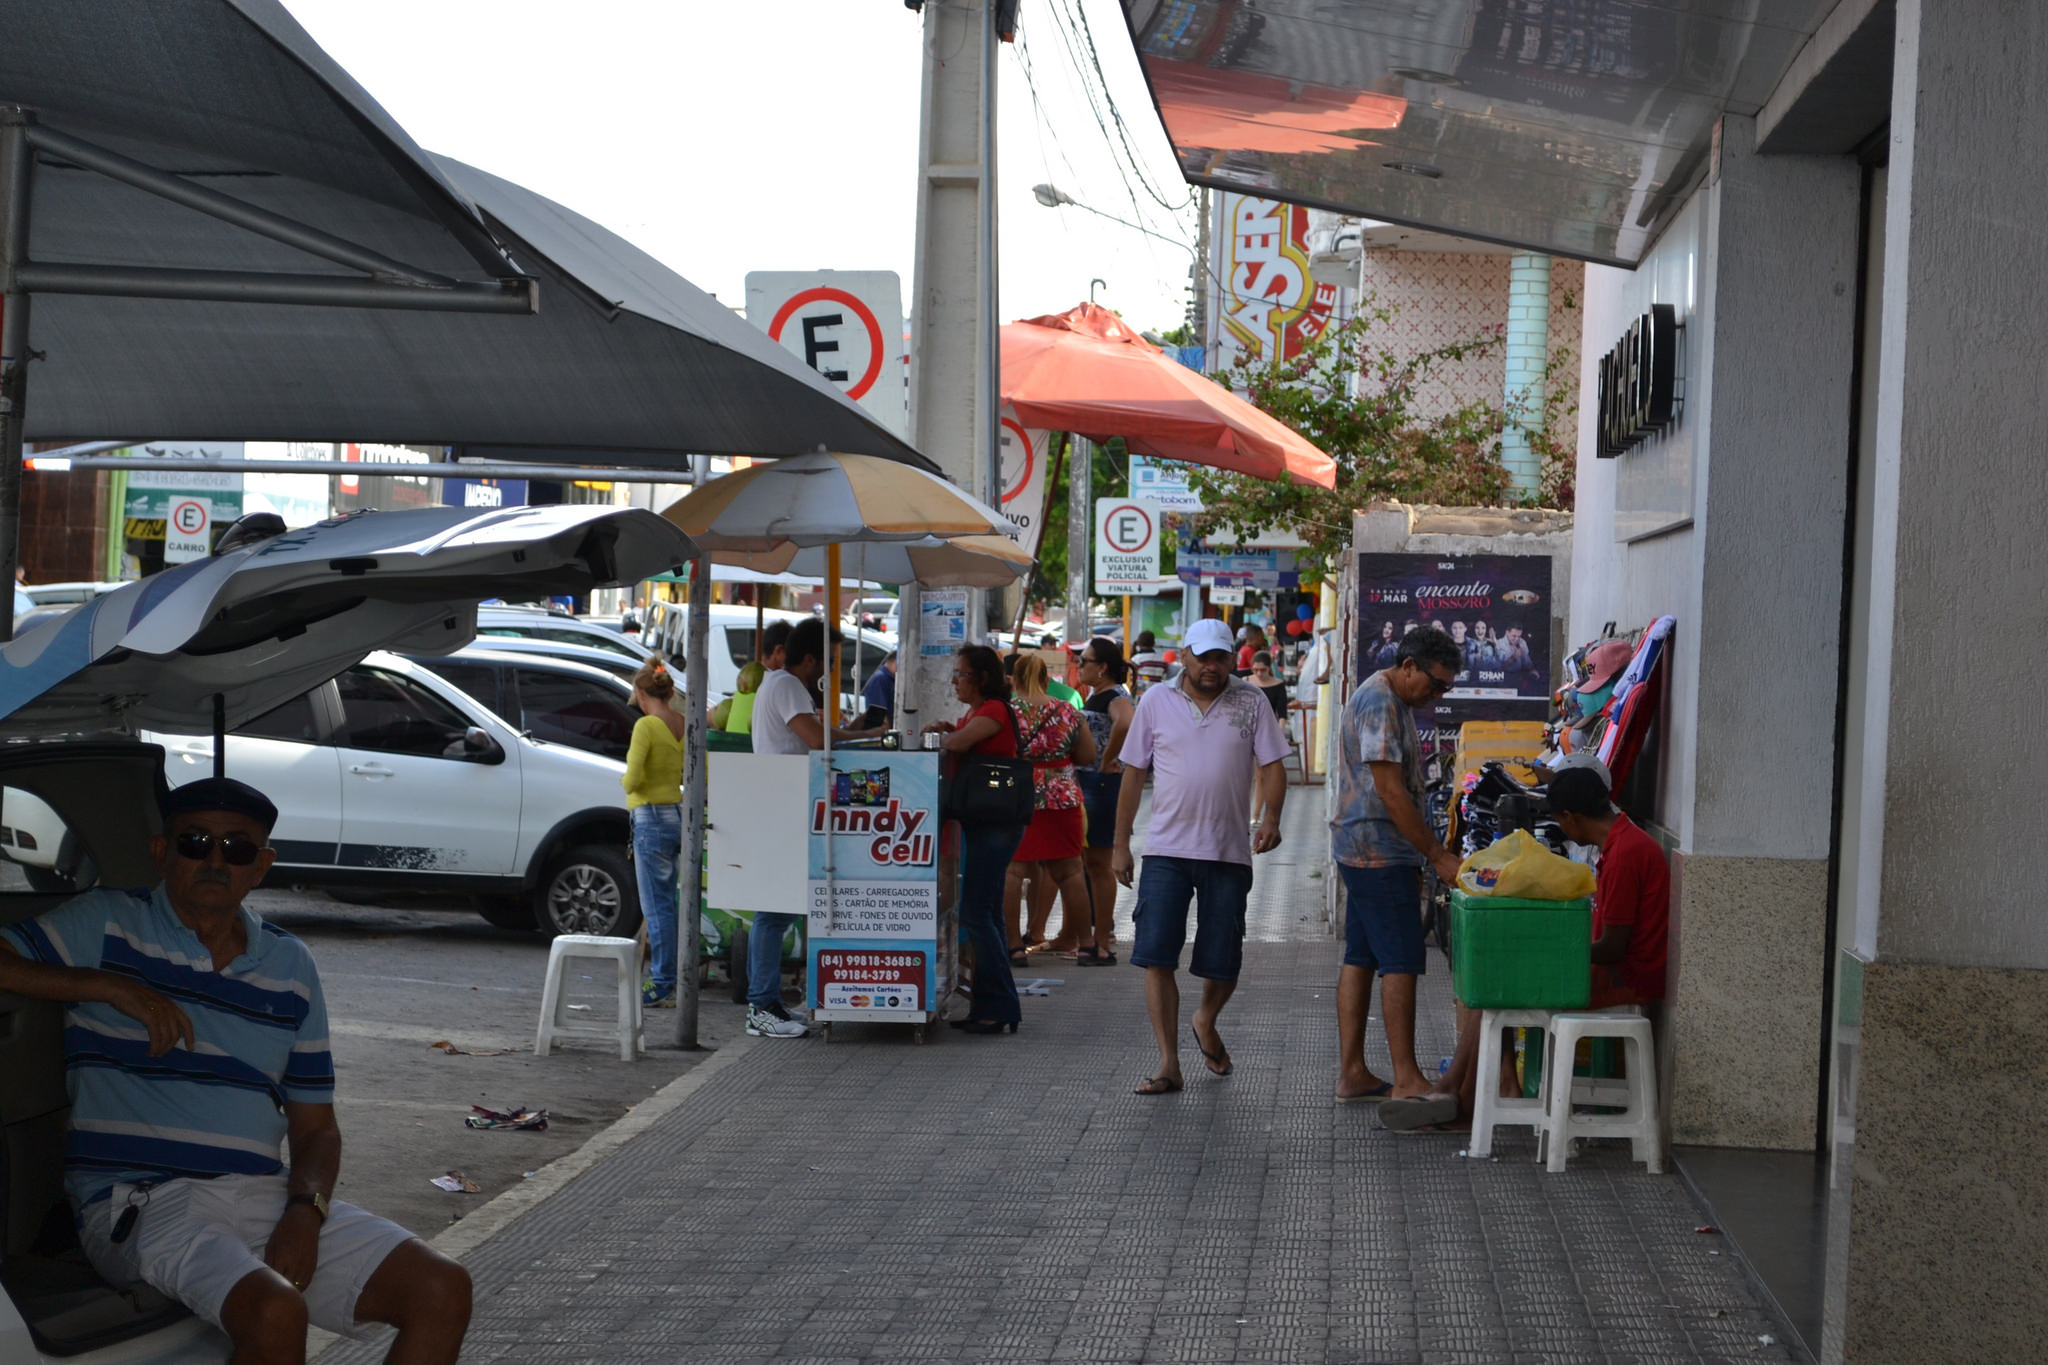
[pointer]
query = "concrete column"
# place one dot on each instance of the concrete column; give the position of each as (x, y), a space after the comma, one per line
(1776, 339)
(1945, 1216)
(1528, 351)
(950, 315)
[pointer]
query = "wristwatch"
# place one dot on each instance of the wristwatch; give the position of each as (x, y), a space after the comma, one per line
(318, 1201)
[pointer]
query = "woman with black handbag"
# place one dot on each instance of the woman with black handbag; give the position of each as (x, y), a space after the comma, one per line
(990, 794)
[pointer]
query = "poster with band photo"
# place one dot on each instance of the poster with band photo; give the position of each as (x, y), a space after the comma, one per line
(1495, 609)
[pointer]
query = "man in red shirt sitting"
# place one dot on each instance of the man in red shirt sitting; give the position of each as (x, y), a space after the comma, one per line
(1632, 902)
(1631, 916)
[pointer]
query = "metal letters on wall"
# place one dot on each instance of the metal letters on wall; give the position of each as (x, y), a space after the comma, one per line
(1639, 381)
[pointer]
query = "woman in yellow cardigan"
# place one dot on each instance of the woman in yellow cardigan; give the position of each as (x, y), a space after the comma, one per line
(654, 803)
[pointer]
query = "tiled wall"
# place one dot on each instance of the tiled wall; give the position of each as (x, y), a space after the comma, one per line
(1440, 297)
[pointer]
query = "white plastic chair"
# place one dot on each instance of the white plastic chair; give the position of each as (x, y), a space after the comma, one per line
(1639, 1121)
(556, 1023)
(1489, 1109)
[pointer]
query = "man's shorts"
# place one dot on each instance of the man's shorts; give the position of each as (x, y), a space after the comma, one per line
(196, 1239)
(1383, 920)
(1219, 890)
(1098, 801)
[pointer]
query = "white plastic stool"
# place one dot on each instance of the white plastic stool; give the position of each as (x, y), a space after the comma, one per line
(1489, 1110)
(1639, 1122)
(555, 1021)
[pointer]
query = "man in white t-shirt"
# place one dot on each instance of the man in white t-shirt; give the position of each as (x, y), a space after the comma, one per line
(1205, 741)
(786, 721)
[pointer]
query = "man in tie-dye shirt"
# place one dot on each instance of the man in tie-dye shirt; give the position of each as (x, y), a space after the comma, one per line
(1380, 842)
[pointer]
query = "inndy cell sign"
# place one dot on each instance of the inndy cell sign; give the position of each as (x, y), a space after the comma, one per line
(845, 324)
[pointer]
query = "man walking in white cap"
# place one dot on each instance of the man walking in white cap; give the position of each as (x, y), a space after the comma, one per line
(1204, 740)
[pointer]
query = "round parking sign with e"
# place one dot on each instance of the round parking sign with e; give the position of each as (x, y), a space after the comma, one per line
(188, 517)
(1127, 529)
(836, 334)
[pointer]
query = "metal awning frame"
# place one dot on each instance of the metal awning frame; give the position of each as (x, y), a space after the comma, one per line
(386, 283)
(56, 461)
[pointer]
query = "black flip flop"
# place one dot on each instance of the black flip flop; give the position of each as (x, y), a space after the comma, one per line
(1426, 1111)
(1167, 1086)
(1214, 1059)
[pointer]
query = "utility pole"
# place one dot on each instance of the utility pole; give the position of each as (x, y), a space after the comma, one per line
(1080, 536)
(954, 379)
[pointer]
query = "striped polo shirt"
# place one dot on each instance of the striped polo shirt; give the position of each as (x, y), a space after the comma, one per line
(211, 1108)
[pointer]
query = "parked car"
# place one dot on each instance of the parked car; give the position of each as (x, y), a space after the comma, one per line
(550, 699)
(389, 777)
(882, 614)
(617, 664)
(532, 623)
(732, 645)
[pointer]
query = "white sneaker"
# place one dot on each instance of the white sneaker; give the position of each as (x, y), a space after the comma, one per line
(762, 1024)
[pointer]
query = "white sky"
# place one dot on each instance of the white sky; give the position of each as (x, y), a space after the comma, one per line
(780, 136)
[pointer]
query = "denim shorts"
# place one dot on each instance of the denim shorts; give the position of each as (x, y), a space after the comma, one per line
(1219, 890)
(1098, 802)
(1383, 920)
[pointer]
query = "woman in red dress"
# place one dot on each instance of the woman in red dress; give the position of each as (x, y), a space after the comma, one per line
(1054, 740)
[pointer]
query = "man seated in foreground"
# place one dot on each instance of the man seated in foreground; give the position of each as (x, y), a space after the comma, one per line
(195, 1043)
(1631, 914)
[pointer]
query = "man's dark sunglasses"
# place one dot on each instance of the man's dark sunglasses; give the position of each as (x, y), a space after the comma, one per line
(1438, 686)
(196, 844)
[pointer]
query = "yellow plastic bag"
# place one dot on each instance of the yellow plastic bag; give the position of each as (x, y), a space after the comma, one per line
(1520, 866)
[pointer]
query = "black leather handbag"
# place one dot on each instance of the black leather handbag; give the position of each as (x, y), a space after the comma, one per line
(986, 790)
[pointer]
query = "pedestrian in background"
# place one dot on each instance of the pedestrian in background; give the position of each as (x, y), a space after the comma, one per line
(654, 804)
(1252, 639)
(988, 728)
(1204, 740)
(1055, 740)
(1108, 713)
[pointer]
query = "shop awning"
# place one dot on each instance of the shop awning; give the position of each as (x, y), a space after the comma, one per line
(1572, 129)
(623, 360)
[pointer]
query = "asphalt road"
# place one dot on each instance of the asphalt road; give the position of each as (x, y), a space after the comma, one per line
(414, 971)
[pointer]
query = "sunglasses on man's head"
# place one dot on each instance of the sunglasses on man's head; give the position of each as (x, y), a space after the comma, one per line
(197, 844)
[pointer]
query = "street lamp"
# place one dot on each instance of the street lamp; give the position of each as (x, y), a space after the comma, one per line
(1053, 197)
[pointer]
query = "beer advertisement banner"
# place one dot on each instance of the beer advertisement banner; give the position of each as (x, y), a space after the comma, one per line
(1495, 608)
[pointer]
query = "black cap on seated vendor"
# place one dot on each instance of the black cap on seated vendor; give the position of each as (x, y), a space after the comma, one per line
(1632, 903)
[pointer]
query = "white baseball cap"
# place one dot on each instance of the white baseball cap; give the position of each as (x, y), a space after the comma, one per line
(1206, 636)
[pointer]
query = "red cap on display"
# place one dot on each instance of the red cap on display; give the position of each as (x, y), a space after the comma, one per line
(1604, 663)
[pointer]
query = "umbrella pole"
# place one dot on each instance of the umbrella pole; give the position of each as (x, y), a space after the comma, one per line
(220, 734)
(696, 791)
(15, 157)
(831, 650)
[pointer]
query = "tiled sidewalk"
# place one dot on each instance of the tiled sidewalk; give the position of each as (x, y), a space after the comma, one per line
(1009, 1198)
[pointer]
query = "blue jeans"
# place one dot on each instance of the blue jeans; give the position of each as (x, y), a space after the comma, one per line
(657, 842)
(764, 958)
(985, 853)
(1219, 890)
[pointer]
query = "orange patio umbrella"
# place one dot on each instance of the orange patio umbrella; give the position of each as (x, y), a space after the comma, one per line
(1087, 372)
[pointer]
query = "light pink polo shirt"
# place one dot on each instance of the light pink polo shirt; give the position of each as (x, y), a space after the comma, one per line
(1203, 767)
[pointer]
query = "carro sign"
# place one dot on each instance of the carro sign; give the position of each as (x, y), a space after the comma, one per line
(1126, 545)
(845, 324)
(188, 529)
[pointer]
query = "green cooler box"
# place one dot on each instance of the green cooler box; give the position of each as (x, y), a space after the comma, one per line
(1517, 954)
